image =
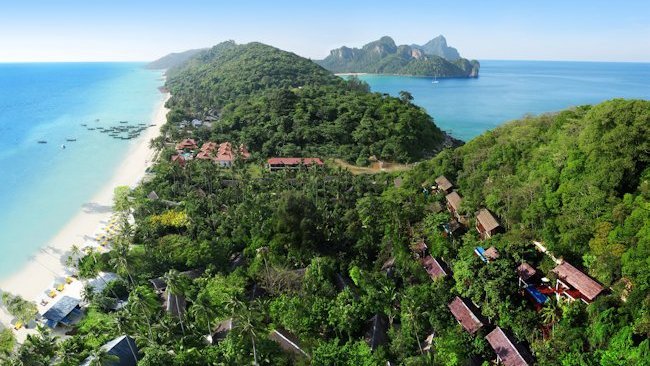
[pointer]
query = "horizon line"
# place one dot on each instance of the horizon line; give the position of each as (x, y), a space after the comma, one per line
(311, 59)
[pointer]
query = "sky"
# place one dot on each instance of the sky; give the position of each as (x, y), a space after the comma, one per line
(143, 30)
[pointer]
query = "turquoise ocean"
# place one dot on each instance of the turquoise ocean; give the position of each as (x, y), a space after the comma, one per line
(508, 90)
(42, 186)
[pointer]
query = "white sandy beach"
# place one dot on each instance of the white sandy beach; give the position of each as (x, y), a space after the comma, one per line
(48, 265)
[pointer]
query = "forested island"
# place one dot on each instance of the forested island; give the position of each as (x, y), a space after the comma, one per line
(529, 243)
(383, 56)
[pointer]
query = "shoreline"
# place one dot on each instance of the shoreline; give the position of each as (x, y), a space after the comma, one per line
(48, 264)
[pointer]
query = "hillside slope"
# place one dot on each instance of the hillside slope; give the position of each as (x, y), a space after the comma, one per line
(278, 103)
(173, 59)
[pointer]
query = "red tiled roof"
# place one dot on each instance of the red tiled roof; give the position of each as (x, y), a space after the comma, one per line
(580, 281)
(465, 315)
(178, 159)
(295, 161)
(209, 146)
(186, 144)
(505, 348)
(225, 153)
(433, 267)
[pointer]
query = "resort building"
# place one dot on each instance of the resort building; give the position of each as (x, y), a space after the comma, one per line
(466, 315)
(124, 352)
(433, 267)
(487, 255)
(187, 144)
(207, 151)
(292, 163)
(486, 224)
(178, 159)
(287, 342)
(529, 281)
(573, 284)
(508, 352)
(64, 312)
(443, 185)
(453, 204)
(225, 155)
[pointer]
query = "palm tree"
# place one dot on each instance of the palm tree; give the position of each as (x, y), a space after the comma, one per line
(551, 313)
(201, 308)
(138, 300)
(176, 287)
(245, 321)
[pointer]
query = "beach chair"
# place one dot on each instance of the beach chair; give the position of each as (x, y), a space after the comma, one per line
(18, 325)
(51, 294)
(60, 287)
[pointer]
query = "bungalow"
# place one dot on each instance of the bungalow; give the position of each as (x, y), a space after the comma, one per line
(453, 228)
(508, 353)
(465, 315)
(174, 304)
(453, 204)
(292, 163)
(433, 267)
(526, 274)
(376, 333)
(443, 185)
(225, 156)
(207, 151)
(528, 280)
(124, 351)
(64, 312)
(488, 255)
(486, 224)
(574, 284)
(187, 144)
(287, 342)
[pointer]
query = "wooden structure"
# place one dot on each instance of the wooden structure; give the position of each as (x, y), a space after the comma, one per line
(433, 267)
(65, 312)
(453, 204)
(443, 185)
(274, 164)
(508, 352)
(124, 351)
(486, 224)
(526, 274)
(465, 315)
(574, 284)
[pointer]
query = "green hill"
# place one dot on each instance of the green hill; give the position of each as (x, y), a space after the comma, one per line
(173, 59)
(278, 103)
(385, 57)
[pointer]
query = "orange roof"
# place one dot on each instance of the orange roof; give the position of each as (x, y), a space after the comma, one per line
(186, 144)
(225, 153)
(295, 161)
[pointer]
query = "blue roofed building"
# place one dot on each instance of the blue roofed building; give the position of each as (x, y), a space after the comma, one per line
(64, 312)
(123, 349)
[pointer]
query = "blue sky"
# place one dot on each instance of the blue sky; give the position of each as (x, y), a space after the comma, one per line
(102, 30)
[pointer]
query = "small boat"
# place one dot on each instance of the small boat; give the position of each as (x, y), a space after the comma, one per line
(124, 121)
(63, 146)
(71, 140)
(42, 142)
(83, 124)
(97, 120)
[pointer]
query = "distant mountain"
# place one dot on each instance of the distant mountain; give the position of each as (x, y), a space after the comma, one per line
(383, 56)
(438, 47)
(173, 59)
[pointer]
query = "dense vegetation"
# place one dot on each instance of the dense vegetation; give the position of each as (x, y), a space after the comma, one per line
(306, 250)
(173, 59)
(280, 104)
(385, 57)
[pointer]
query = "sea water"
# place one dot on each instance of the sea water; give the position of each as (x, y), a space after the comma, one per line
(508, 90)
(42, 186)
